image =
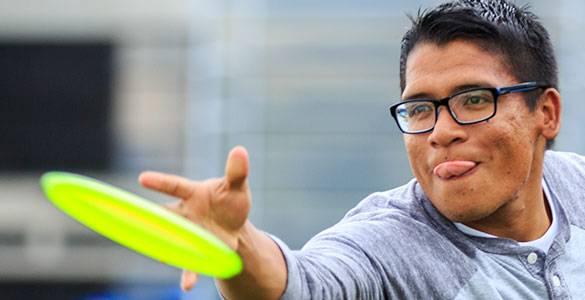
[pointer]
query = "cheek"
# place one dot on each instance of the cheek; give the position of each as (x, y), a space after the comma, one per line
(416, 153)
(513, 148)
(518, 124)
(517, 136)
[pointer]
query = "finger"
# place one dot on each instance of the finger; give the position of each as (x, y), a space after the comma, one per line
(188, 280)
(236, 168)
(173, 185)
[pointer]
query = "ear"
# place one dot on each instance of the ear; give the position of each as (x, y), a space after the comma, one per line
(549, 107)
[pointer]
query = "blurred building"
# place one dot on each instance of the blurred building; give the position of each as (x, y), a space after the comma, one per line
(304, 85)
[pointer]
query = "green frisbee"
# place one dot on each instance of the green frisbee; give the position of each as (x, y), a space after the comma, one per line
(140, 225)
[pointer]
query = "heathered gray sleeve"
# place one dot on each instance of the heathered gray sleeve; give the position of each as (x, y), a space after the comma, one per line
(337, 269)
(375, 252)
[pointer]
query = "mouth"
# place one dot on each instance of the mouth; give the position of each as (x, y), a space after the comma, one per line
(455, 169)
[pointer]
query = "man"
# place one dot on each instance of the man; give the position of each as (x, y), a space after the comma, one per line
(490, 215)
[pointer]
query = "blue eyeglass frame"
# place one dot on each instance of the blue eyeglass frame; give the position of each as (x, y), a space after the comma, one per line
(496, 92)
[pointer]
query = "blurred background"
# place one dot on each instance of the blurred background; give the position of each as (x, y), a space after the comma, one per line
(111, 88)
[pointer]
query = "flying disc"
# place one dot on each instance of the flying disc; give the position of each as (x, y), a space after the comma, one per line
(140, 225)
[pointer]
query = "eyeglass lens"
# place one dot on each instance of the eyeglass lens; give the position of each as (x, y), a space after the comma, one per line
(468, 107)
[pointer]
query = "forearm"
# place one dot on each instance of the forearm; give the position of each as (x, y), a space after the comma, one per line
(264, 274)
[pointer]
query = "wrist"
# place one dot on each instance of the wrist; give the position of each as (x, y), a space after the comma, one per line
(264, 269)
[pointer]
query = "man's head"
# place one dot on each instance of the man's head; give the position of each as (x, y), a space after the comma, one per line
(476, 171)
(496, 26)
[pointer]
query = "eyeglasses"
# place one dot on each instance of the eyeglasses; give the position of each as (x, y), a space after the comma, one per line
(466, 107)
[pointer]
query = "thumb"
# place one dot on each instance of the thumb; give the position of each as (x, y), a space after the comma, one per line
(236, 168)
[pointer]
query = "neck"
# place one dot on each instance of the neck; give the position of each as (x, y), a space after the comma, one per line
(524, 217)
(517, 222)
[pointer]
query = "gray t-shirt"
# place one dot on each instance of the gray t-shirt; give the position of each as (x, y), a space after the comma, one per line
(395, 245)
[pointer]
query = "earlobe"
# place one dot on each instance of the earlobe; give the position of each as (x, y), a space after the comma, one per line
(550, 108)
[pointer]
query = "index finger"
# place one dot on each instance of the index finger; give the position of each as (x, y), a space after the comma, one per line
(169, 184)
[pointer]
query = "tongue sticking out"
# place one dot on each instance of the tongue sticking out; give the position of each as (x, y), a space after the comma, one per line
(454, 168)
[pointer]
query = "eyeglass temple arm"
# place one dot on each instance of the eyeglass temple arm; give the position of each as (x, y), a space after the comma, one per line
(523, 87)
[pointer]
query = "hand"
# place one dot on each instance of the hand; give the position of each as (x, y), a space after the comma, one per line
(220, 205)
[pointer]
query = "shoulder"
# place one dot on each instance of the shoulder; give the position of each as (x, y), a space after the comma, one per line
(564, 170)
(396, 214)
(564, 174)
(391, 235)
(401, 201)
(556, 161)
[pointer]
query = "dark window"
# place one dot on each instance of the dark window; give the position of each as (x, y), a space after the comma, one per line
(55, 103)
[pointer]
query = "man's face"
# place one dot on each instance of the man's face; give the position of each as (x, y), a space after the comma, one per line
(493, 161)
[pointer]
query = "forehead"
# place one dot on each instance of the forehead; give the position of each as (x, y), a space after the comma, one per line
(437, 70)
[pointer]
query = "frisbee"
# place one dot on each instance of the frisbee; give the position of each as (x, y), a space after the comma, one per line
(140, 225)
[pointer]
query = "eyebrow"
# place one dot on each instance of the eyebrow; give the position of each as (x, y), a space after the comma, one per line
(457, 89)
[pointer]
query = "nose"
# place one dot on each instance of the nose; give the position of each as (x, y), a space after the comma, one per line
(446, 131)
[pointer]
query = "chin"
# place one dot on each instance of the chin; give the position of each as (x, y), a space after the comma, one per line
(464, 218)
(465, 214)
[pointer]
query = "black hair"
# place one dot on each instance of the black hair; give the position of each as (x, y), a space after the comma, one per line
(496, 26)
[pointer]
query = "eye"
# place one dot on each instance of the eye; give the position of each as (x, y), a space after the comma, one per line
(476, 100)
(402, 112)
(418, 110)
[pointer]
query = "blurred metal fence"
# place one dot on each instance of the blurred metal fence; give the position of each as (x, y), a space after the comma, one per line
(304, 86)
